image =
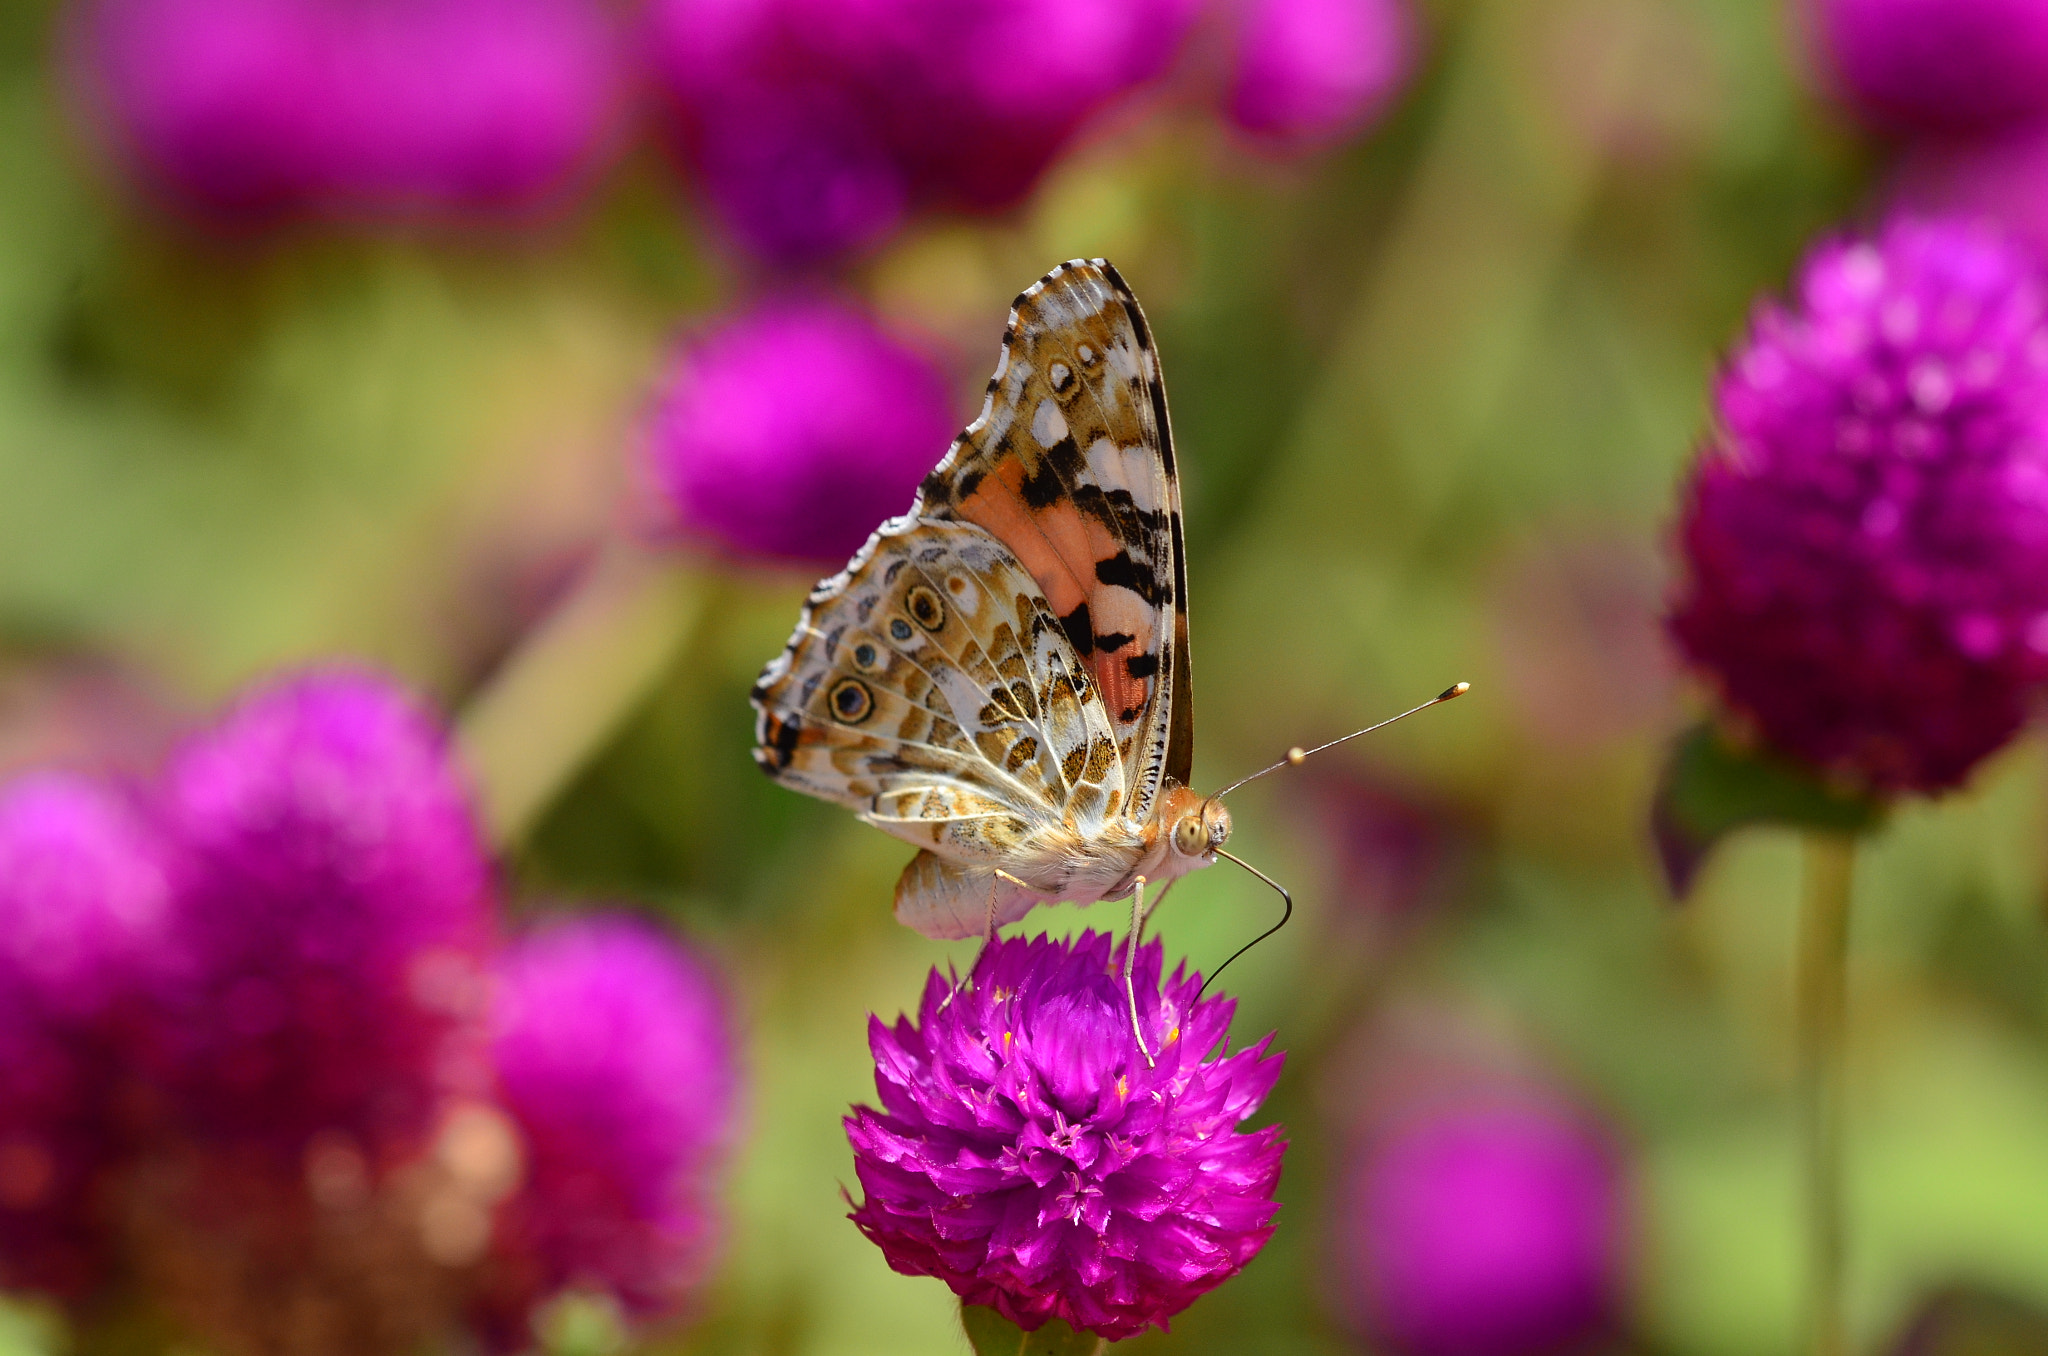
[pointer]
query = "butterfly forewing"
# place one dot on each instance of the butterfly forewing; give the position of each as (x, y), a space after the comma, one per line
(1000, 676)
(1070, 464)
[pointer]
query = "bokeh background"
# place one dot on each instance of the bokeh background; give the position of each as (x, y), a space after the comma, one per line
(1434, 381)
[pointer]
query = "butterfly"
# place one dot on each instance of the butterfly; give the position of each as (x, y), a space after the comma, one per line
(1000, 676)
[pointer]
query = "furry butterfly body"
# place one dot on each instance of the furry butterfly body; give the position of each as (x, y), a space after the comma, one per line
(1000, 676)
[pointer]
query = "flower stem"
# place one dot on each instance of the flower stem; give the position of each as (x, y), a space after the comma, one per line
(574, 678)
(990, 1334)
(1823, 998)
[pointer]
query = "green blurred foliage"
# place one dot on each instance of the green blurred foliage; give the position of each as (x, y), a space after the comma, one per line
(1433, 393)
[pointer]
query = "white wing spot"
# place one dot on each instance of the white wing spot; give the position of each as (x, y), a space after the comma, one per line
(1048, 425)
(1123, 362)
(1134, 472)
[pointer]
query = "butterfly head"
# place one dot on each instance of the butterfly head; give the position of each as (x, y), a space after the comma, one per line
(1200, 826)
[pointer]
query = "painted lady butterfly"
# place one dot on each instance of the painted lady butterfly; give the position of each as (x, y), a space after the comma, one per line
(1000, 676)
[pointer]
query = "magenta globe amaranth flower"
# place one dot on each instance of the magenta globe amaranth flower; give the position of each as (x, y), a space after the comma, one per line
(447, 105)
(84, 897)
(616, 1063)
(1483, 1229)
(789, 432)
(1309, 73)
(254, 109)
(1942, 66)
(814, 126)
(1012, 82)
(1027, 1155)
(2002, 179)
(797, 174)
(1865, 539)
(333, 901)
(219, 103)
(83, 905)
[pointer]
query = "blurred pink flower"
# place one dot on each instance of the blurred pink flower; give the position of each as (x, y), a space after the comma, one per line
(333, 903)
(1865, 539)
(1395, 851)
(788, 432)
(253, 109)
(2001, 179)
(84, 901)
(1310, 73)
(1483, 1226)
(617, 1065)
(1940, 66)
(815, 125)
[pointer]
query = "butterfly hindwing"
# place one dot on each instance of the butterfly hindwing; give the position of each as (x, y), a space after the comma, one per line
(929, 688)
(949, 900)
(1070, 465)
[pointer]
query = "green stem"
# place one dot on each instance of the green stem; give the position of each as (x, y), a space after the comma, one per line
(1823, 1002)
(990, 1334)
(573, 680)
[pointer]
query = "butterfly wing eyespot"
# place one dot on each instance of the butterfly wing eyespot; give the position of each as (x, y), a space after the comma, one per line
(925, 608)
(851, 702)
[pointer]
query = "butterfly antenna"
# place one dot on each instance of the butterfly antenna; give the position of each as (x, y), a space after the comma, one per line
(1298, 755)
(1287, 912)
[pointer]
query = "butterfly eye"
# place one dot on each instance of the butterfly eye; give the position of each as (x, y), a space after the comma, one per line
(1188, 835)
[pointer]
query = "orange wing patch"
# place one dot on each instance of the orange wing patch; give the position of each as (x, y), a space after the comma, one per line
(1070, 465)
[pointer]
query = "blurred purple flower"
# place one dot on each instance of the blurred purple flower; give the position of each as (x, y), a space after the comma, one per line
(1027, 1156)
(83, 903)
(2001, 178)
(1483, 1229)
(475, 104)
(333, 901)
(251, 109)
(84, 899)
(616, 1063)
(1310, 73)
(219, 102)
(798, 174)
(814, 125)
(1394, 852)
(789, 432)
(1866, 540)
(1942, 66)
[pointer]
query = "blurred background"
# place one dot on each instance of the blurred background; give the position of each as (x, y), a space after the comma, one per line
(1438, 292)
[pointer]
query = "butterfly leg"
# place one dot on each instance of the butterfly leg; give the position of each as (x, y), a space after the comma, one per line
(1131, 966)
(989, 932)
(1153, 907)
